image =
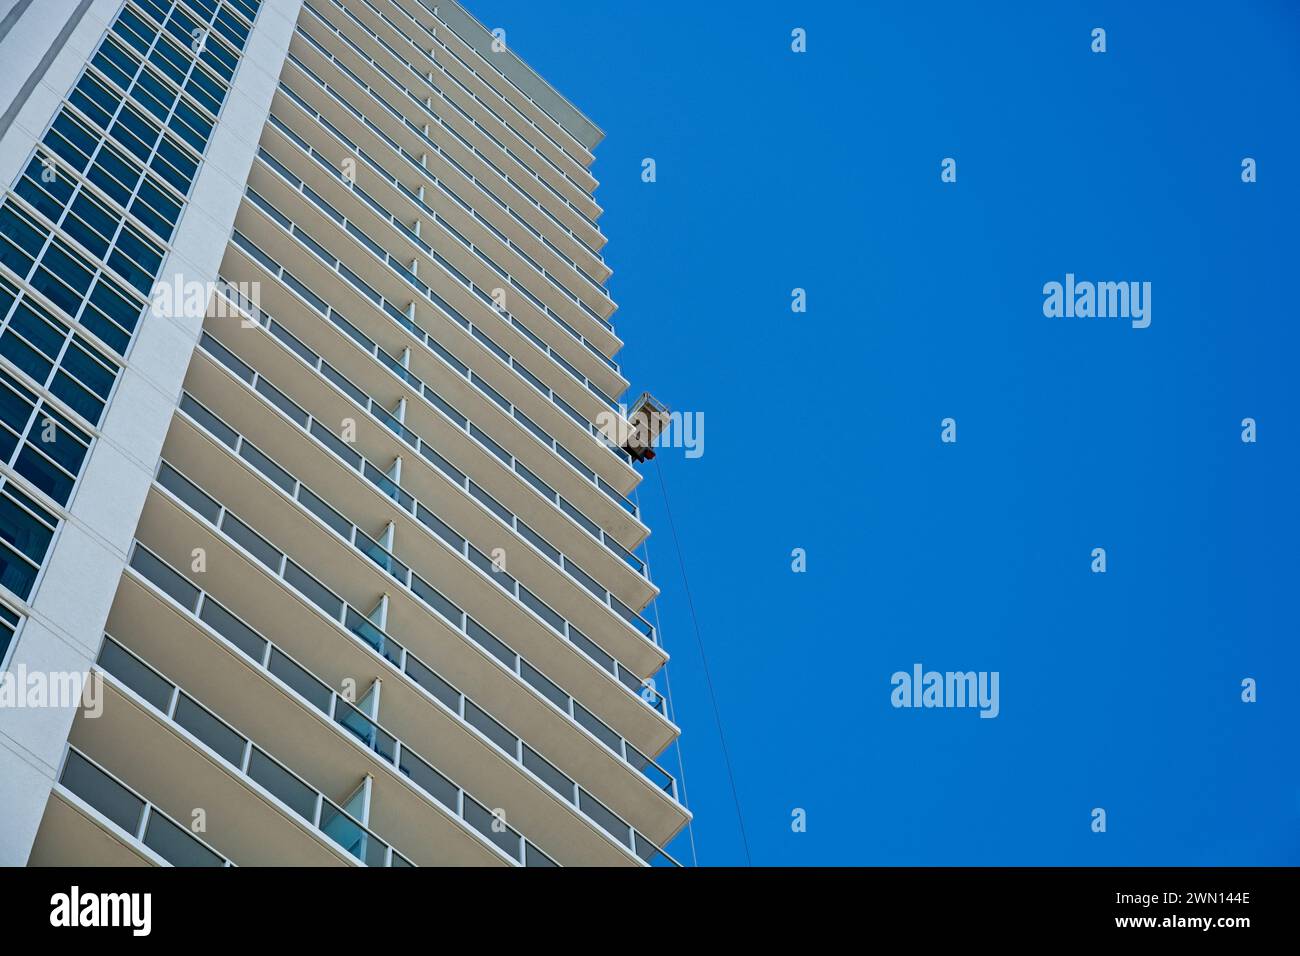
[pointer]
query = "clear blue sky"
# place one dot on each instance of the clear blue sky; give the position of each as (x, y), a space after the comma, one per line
(822, 171)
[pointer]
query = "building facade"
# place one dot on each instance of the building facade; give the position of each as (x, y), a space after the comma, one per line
(306, 368)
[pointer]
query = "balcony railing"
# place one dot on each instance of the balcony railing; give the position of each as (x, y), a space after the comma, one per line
(317, 363)
(418, 131)
(496, 72)
(406, 89)
(140, 819)
(314, 691)
(642, 690)
(410, 64)
(340, 613)
(445, 530)
(581, 520)
(436, 401)
(247, 759)
(410, 235)
(450, 271)
(416, 199)
(313, 428)
(340, 526)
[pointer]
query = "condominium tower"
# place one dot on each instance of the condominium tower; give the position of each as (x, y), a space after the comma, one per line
(315, 546)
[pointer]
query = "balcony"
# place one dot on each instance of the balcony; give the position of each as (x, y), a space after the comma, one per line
(355, 44)
(382, 32)
(393, 137)
(487, 420)
(144, 748)
(359, 572)
(227, 663)
(480, 248)
(459, 282)
(379, 97)
(466, 55)
(349, 645)
(94, 819)
(326, 407)
(421, 526)
(439, 333)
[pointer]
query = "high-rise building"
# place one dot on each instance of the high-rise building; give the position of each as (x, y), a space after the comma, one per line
(307, 379)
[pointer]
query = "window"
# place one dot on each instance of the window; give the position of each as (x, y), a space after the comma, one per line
(39, 443)
(153, 96)
(9, 622)
(53, 454)
(26, 530)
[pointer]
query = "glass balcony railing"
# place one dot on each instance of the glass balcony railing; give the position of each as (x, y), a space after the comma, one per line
(425, 593)
(416, 162)
(141, 820)
(430, 57)
(577, 516)
(434, 91)
(419, 103)
(321, 123)
(410, 235)
(312, 427)
(495, 72)
(246, 758)
(400, 269)
(214, 514)
(442, 185)
(417, 129)
(341, 382)
(410, 64)
(436, 401)
(202, 607)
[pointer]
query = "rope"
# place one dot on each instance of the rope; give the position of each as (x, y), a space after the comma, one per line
(672, 711)
(699, 640)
